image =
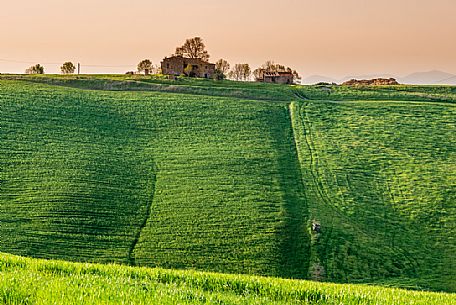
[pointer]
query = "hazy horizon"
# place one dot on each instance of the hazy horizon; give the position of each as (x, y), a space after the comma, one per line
(331, 38)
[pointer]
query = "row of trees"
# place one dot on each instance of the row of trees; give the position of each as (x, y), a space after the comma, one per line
(36, 69)
(70, 68)
(66, 68)
(243, 72)
(194, 48)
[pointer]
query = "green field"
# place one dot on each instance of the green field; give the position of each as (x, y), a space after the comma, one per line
(381, 180)
(228, 177)
(33, 281)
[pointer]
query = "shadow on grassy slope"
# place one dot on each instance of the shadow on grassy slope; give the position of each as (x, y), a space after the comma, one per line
(73, 177)
(293, 236)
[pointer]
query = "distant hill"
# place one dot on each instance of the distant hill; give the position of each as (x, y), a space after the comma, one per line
(366, 76)
(314, 79)
(429, 78)
(418, 78)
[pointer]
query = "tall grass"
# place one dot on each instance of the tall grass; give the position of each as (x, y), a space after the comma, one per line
(33, 281)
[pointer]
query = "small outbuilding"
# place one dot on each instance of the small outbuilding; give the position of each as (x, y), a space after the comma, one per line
(275, 77)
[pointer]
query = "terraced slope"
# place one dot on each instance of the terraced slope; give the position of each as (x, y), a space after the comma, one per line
(381, 179)
(151, 179)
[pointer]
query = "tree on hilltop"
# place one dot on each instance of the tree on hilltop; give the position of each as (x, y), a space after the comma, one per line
(246, 72)
(145, 66)
(193, 48)
(271, 66)
(240, 72)
(68, 68)
(222, 67)
(36, 69)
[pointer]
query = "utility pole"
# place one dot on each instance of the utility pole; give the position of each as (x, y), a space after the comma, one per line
(79, 68)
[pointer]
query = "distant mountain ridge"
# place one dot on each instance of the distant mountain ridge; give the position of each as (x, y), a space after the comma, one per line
(429, 78)
(433, 77)
(313, 79)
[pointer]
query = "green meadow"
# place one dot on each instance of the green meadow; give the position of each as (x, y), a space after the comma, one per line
(34, 281)
(225, 177)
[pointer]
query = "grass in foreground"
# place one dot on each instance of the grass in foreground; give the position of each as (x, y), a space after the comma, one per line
(34, 281)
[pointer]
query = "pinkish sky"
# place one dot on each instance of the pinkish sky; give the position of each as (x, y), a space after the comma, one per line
(333, 37)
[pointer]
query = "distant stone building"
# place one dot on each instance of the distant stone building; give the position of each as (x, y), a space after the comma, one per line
(275, 77)
(176, 65)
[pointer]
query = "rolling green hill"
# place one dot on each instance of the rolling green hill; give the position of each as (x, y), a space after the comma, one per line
(380, 180)
(229, 177)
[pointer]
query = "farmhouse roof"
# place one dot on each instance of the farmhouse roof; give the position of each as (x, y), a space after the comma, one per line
(187, 58)
(269, 73)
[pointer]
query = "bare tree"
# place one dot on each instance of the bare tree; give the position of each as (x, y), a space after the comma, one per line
(246, 72)
(236, 72)
(223, 66)
(193, 48)
(36, 69)
(68, 68)
(240, 72)
(271, 66)
(145, 66)
(257, 73)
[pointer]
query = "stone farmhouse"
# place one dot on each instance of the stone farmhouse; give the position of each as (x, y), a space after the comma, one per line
(175, 65)
(275, 77)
